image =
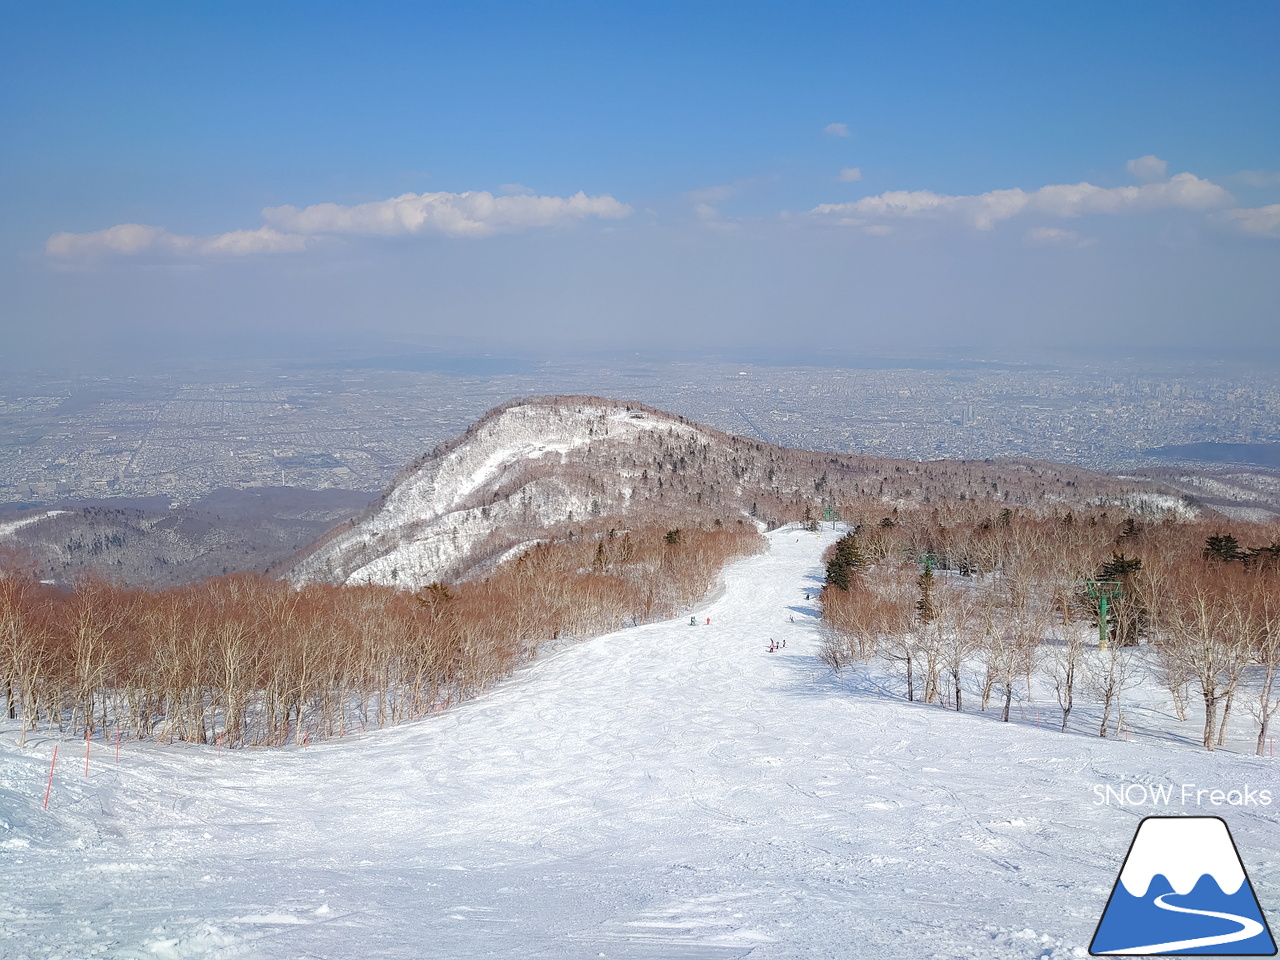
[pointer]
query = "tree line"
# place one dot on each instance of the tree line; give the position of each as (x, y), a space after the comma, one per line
(974, 596)
(250, 661)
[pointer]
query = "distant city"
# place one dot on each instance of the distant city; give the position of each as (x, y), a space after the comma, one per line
(182, 434)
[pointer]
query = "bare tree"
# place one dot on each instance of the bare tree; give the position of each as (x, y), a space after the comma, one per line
(1110, 673)
(1064, 665)
(1197, 619)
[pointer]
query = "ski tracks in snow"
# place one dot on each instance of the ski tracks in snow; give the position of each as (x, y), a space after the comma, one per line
(667, 791)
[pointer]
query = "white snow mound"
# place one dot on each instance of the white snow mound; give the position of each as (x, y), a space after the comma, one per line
(1183, 849)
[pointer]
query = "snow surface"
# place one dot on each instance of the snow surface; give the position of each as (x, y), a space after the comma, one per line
(666, 792)
(13, 526)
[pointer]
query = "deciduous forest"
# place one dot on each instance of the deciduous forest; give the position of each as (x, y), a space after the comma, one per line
(245, 660)
(965, 597)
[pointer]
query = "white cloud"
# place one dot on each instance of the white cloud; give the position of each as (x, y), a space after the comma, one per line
(133, 238)
(262, 240)
(983, 211)
(1259, 221)
(706, 212)
(850, 175)
(471, 214)
(125, 238)
(1148, 169)
(837, 130)
(706, 201)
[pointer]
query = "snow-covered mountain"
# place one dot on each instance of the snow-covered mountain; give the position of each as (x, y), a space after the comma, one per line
(543, 466)
(1183, 891)
(1182, 849)
(525, 468)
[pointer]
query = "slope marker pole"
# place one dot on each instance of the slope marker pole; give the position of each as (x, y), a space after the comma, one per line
(87, 743)
(53, 763)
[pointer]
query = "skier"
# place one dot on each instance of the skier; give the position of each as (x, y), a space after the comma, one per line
(708, 621)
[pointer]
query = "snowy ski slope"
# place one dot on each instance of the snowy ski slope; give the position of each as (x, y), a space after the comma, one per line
(666, 791)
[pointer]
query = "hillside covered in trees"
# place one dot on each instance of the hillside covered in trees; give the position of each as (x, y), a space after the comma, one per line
(955, 597)
(545, 463)
(563, 518)
(247, 660)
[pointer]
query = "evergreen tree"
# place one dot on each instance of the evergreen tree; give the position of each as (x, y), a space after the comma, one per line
(846, 562)
(435, 597)
(1120, 568)
(1224, 547)
(810, 523)
(1129, 618)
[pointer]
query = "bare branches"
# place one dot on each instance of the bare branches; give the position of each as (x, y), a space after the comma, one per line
(1002, 589)
(253, 661)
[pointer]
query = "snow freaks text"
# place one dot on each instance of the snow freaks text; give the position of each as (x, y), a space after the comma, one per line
(1182, 794)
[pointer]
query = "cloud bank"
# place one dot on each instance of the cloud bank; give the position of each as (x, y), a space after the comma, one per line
(478, 214)
(983, 211)
(1259, 221)
(471, 214)
(288, 229)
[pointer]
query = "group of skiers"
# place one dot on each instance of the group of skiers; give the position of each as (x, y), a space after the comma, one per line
(774, 646)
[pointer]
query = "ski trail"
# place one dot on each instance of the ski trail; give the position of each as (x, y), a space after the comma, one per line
(664, 792)
(1249, 928)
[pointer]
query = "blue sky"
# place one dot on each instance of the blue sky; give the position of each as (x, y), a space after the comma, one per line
(965, 178)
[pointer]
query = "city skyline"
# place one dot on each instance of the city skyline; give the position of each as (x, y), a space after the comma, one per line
(183, 434)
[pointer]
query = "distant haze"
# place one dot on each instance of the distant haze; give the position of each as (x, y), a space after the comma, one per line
(313, 180)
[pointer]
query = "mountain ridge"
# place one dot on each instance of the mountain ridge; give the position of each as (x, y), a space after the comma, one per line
(538, 466)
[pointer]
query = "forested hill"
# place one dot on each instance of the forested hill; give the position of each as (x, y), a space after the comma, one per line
(542, 466)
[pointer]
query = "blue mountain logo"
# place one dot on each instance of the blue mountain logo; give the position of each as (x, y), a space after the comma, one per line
(1183, 891)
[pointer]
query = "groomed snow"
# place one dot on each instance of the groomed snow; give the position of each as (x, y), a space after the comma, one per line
(664, 792)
